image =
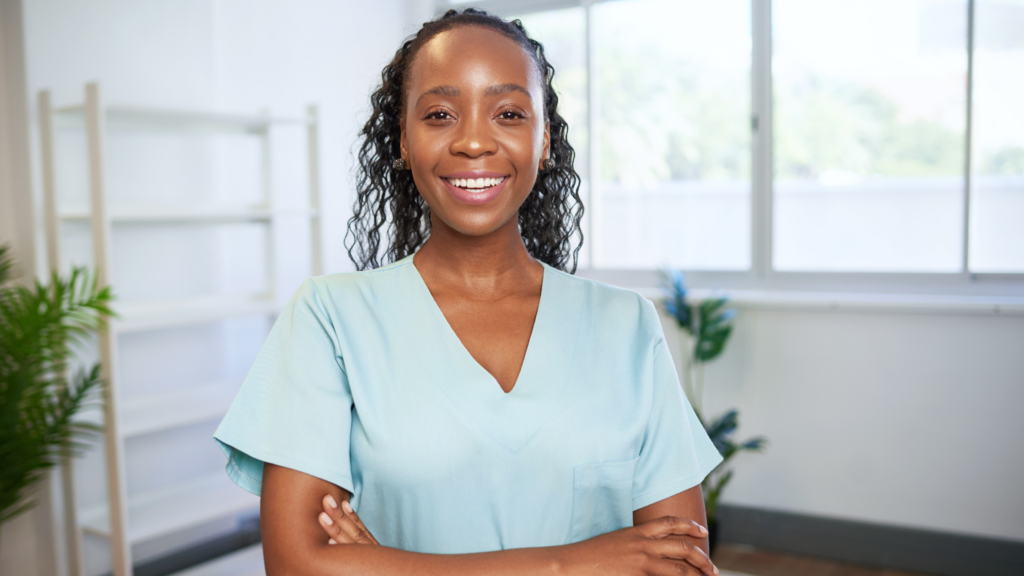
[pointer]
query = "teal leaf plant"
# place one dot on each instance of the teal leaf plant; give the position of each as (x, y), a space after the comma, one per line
(39, 324)
(705, 328)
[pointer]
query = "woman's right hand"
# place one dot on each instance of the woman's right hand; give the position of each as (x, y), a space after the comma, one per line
(655, 548)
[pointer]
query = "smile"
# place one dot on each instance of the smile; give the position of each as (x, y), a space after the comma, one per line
(475, 184)
(475, 187)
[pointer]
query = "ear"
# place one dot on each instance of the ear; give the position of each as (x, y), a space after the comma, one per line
(401, 141)
(546, 149)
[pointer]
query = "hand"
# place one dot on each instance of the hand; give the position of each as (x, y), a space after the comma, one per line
(342, 525)
(656, 548)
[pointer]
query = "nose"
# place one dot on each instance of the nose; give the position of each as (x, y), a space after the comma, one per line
(473, 137)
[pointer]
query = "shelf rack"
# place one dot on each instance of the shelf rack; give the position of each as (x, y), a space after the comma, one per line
(127, 520)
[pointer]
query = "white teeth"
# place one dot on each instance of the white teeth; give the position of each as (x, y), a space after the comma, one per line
(475, 183)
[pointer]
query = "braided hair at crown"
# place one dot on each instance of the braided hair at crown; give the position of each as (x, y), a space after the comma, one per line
(387, 199)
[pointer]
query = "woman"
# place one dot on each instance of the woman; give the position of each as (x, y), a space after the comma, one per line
(484, 411)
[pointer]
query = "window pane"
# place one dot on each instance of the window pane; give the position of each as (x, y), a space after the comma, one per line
(563, 34)
(997, 195)
(869, 117)
(674, 106)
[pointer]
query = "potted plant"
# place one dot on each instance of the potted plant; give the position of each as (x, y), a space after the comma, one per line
(705, 330)
(38, 402)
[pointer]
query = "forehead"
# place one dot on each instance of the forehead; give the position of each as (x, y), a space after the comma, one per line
(470, 55)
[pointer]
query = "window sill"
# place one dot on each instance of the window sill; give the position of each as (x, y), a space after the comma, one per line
(853, 302)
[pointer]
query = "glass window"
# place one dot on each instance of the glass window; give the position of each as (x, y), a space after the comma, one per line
(869, 122)
(997, 194)
(673, 109)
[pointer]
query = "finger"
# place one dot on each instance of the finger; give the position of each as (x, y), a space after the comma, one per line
(687, 551)
(336, 529)
(363, 531)
(667, 567)
(347, 522)
(668, 525)
(333, 529)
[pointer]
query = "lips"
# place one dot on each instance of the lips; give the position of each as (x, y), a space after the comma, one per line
(475, 187)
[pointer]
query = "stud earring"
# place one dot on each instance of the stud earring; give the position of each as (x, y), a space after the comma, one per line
(547, 164)
(399, 164)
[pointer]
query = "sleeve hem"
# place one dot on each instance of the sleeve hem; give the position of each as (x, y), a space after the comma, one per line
(254, 485)
(681, 485)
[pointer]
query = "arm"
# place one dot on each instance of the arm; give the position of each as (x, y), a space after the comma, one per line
(688, 504)
(294, 543)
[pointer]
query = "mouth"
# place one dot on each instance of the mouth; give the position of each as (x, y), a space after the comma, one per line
(471, 188)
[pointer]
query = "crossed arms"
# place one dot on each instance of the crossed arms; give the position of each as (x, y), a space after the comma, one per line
(667, 538)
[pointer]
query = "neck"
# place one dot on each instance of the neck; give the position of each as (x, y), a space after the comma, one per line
(495, 262)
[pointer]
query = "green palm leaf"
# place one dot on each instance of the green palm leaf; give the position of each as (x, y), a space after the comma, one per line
(38, 402)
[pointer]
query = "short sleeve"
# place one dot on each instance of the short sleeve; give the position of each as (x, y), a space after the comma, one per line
(295, 407)
(676, 453)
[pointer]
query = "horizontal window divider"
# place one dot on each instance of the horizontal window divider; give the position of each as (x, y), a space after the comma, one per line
(849, 292)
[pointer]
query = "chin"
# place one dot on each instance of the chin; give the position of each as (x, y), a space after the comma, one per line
(480, 223)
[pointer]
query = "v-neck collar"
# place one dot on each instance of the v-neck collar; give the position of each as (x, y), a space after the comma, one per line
(509, 418)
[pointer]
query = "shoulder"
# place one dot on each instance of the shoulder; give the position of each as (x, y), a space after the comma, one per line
(336, 293)
(612, 308)
(350, 283)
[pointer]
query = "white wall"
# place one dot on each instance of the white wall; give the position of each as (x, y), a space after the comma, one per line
(905, 419)
(283, 55)
(202, 54)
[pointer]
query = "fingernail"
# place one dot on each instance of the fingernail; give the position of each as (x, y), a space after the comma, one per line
(703, 530)
(331, 502)
(331, 542)
(346, 506)
(326, 519)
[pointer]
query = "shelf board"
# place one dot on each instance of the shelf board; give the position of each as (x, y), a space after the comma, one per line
(182, 407)
(144, 214)
(169, 510)
(142, 317)
(182, 120)
(245, 562)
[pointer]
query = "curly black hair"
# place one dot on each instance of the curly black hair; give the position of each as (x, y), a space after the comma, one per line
(550, 216)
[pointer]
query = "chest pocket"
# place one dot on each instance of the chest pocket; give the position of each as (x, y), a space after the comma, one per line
(602, 498)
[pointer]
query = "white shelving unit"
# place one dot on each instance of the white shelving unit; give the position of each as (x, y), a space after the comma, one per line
(127, 520)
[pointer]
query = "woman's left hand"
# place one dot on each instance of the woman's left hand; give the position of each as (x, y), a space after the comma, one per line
(342, 524)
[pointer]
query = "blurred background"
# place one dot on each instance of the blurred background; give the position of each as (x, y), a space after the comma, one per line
(849, 173)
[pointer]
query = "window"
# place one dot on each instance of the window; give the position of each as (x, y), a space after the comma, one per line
(673, 121)
(997, 180)
(765, 143)
(869, 121)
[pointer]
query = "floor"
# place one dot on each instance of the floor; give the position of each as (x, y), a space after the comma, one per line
(746, 560)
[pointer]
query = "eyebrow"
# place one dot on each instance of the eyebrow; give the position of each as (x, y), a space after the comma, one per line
(450, 91)
(505, 89)
(453, 91)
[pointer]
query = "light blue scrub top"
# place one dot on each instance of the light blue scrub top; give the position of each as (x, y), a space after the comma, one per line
(362, 382)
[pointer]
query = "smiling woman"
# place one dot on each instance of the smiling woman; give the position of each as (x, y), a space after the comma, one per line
(549, 219)
(482, 409)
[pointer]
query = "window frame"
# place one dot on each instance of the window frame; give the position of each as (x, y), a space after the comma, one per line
(761, 277)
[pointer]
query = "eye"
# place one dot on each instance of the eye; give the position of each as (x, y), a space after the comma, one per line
(438, 116)
(510, 115)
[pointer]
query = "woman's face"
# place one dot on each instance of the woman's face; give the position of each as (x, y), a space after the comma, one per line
(473, 131)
